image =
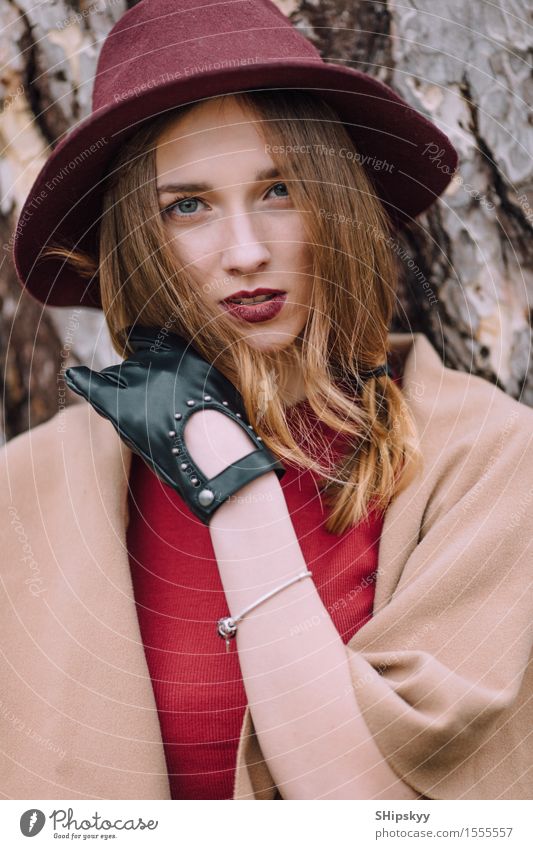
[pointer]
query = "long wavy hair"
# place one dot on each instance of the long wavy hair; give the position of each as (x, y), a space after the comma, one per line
(353, 279)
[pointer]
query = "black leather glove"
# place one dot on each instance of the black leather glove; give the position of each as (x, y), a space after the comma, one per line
(150, 396)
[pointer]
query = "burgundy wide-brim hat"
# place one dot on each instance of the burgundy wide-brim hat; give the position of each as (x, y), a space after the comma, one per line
(165, 53)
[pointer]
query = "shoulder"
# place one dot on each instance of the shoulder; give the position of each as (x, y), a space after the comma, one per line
(457, 411)
(34, 444)
(43, 457)
(476, 441)
(470, 507)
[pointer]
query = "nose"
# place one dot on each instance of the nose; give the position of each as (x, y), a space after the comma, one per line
(245, 250)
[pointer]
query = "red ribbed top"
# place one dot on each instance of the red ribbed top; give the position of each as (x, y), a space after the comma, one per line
(198, 686)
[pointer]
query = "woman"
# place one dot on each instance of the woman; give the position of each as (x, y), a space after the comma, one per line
(374, 679)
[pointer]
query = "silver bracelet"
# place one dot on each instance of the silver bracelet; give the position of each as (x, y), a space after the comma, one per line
(227, 626)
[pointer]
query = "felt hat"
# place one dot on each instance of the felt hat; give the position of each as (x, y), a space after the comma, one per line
(165, 53)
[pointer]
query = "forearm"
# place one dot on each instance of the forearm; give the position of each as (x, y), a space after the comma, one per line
(298, 683)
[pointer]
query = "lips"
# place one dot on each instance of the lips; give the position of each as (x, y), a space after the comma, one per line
(253, 313)
(256, 293)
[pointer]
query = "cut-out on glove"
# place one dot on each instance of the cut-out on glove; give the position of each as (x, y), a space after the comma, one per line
(149, 398)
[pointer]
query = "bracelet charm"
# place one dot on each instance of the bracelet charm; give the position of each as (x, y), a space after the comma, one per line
(227, 626)
(227, 629)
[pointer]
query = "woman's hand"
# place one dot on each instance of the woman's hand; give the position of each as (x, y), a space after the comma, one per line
(214, 441)
(157, 393)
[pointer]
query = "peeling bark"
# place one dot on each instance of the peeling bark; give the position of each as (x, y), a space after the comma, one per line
(48, 54)
(29, 351)
(467, 67)
(356, 34)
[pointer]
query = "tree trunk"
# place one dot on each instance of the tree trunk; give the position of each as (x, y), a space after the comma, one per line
(49, 53)
(466, 265)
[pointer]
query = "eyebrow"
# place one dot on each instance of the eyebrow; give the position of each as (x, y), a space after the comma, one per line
(169, 188)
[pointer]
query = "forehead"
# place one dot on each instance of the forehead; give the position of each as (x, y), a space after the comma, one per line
(213, 127)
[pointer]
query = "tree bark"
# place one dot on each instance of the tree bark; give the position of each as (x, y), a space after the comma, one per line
(49, 53)
(466, 265)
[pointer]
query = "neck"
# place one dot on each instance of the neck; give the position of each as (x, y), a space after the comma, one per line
(293, 390)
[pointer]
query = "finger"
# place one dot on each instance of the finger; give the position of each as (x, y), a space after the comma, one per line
(88, 383)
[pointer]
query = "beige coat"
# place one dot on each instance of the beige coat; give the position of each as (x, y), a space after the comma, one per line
(440, 671)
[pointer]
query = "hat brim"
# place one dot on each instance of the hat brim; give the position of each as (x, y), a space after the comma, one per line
(64, 204)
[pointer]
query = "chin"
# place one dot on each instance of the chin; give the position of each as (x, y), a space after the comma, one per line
(270, 341)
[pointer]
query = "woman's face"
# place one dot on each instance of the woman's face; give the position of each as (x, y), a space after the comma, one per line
(230, 219)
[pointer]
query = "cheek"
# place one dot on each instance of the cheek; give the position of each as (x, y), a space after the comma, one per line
(189, 249)
(293, 240)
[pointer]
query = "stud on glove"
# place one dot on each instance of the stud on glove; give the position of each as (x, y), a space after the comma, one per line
(149, 398)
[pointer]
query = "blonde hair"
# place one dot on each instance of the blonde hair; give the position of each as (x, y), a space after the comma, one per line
(353, 280)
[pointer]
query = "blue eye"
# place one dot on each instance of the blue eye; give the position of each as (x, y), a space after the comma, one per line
(188, 213)
(277, 185)
(180, 203)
